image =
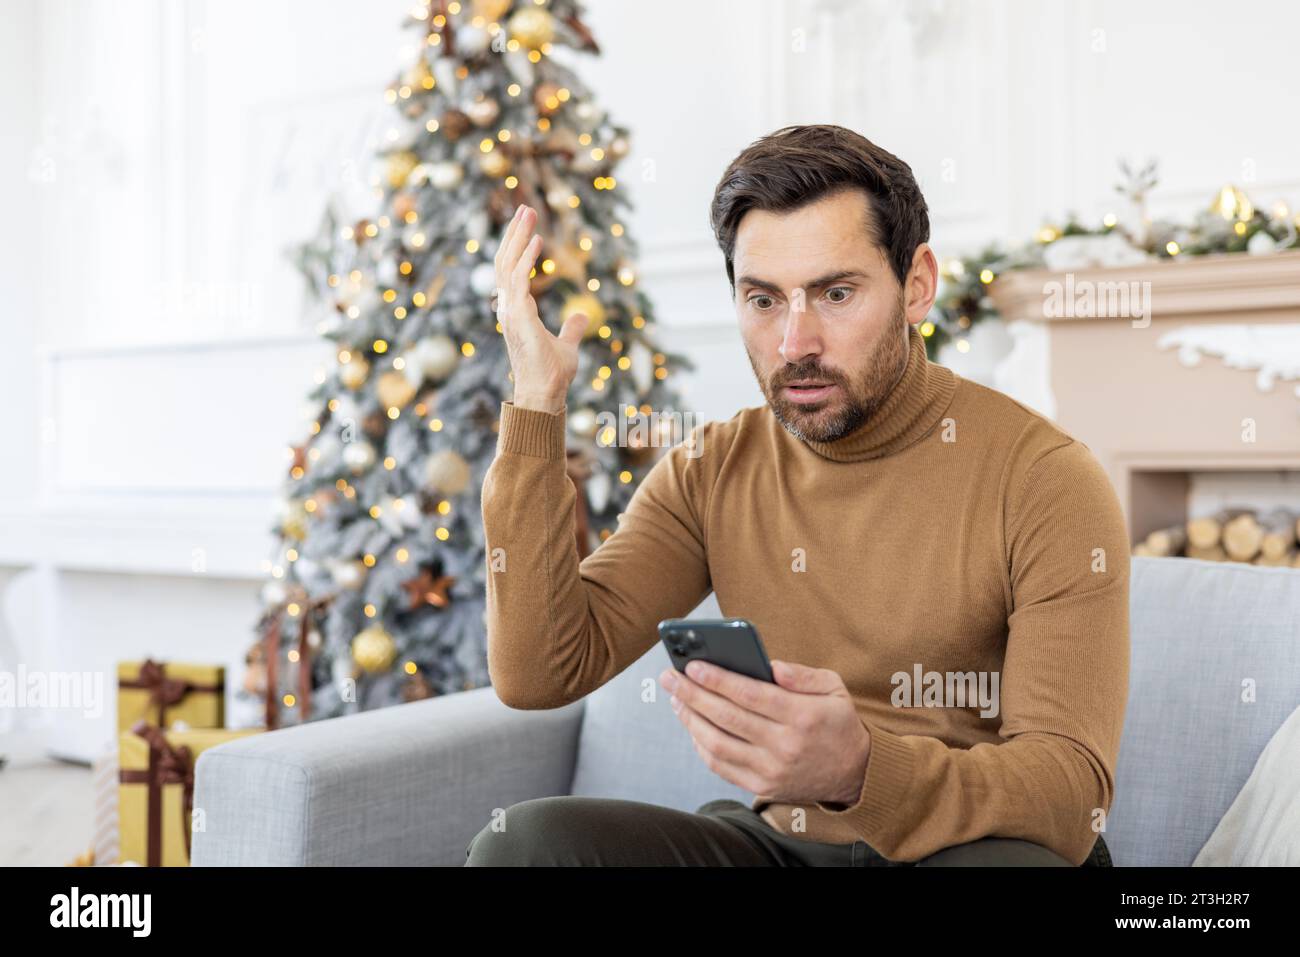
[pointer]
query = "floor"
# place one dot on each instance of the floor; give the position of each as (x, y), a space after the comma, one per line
(46, 805)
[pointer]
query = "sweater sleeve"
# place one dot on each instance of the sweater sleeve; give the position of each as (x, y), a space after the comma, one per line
(558, 629)
(1063, 689)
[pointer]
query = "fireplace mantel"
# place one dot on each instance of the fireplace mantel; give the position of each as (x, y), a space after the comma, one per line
(1151, 420)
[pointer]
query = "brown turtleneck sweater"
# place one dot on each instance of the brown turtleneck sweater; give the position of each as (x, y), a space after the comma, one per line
(956, 531)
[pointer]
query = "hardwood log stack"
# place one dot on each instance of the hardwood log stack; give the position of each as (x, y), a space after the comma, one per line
(1237, 534)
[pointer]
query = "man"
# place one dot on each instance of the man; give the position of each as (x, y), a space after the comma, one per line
(895, 532)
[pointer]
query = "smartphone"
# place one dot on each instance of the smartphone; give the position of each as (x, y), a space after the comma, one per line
(730, 643)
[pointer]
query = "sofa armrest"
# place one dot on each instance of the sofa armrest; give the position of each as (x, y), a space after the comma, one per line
(405, 785)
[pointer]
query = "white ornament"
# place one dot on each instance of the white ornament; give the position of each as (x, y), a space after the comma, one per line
(471, 41)
(1261, 243)
(583, 422)
(557, 197)
(446, 175)
(643, 366)
(359, 455)
(483, 279)
(444, 73)
(273, 593)
(484, 111)
(598, 490)
(433, 358)
(347, 574)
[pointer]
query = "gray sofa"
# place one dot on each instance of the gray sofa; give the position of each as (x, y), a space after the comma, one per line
(410, 785)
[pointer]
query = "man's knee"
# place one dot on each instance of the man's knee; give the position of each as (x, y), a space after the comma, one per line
(995, 852)
(524, 835)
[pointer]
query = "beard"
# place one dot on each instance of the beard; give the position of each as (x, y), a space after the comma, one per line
(855, 401)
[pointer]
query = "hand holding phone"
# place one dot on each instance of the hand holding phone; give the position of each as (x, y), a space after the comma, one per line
(730, 643)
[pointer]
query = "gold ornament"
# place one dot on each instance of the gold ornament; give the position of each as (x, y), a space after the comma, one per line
(484, 111)
(532, 27)
(571, 262)
(447, 473)
(494, 164)
(395, 390)
(491, 10)
(1232, 203)
(373, 649)
(589, 306)
(295, 522)
(354, 372)
(400, 165)
(545, 99)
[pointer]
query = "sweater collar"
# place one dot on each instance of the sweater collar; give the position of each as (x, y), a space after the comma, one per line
(909, 411)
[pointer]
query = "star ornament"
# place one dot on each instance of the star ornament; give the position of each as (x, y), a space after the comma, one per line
(424, 590)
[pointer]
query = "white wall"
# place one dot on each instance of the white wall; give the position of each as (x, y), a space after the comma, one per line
(158, 156)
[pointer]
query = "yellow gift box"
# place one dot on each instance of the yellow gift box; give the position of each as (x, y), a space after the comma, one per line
(165, 692)
(156, 791)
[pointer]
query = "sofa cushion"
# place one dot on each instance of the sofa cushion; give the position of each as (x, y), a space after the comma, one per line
(1199, 631)
(637, 749)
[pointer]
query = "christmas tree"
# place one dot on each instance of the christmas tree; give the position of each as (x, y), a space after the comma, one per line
(376, 588)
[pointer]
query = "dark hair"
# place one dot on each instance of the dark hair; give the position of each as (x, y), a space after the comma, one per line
(797, 165)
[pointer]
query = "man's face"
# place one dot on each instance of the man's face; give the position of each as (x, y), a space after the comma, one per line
(817, 301)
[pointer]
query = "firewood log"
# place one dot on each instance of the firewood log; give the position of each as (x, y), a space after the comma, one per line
(1206, 531)
(1214, 553)
(1279, 532)
(1167, 541)
(1242, 538)
(1287, 560)
(1143, 550)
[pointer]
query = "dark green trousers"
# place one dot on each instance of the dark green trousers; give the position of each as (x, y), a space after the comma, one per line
(607, 832)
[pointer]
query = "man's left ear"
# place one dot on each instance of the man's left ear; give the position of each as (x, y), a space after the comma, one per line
(922, 284)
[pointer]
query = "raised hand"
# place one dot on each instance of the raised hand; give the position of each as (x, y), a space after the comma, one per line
(543, 365)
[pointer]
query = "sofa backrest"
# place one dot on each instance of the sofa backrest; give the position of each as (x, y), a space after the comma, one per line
(634, 747)
(1199, 631)
(1204, 634)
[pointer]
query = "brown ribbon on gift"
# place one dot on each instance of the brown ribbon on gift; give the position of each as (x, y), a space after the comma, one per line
(168, 764)
(164, 691)
(273, 639)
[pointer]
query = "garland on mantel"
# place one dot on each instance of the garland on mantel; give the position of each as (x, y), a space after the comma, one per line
(1231, 224)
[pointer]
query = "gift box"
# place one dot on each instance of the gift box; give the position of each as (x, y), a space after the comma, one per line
(163, 693)
(156, 791)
